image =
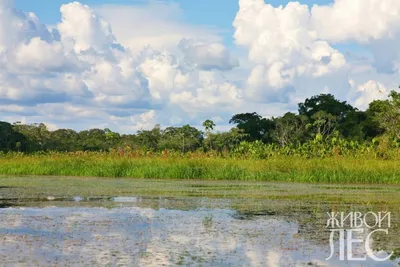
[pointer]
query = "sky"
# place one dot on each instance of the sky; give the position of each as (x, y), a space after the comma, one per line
(214, 13)
(128, 65)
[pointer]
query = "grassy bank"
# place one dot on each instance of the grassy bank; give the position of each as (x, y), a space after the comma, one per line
(286, 169)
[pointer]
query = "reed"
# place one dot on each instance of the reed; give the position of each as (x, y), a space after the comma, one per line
(277, 168)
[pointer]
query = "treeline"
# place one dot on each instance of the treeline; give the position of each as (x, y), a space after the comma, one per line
(323, 118)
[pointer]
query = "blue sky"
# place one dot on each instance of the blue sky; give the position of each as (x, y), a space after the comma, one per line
(182, 63)
(221, 14)
(218, 13)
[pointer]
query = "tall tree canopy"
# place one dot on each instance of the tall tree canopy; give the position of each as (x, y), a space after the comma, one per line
(255, 126)
(389, 115)
(327, 103)
(183, 138)
(11, 140)
(321, 116)
(290, 128)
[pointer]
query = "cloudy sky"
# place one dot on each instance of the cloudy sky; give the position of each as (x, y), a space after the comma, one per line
(130, 64)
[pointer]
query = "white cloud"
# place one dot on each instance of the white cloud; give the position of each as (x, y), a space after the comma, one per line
(156, 24)
(369, 92)
(83, 29)
(80, 73)
(207, 56)
(51, 126)
(80, 61)
(193, 90)
(11, 109)
(144, 121)
(143, 62)
(285, 50)
(291, 48)
(17, 26)
(40, 56)
(358, 20)
(372, 23)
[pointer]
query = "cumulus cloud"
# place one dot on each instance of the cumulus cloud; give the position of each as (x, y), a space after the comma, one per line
(80, 70)
(17, 26)
(292, 48)
(157, 24)
(40, 56)
(193, 90)
(86, 57)
(135, 66)
(144, 121)
(357, 20)
(83, 29)
(369, 92)
(284, 49)
(368, 22)
(207, 56)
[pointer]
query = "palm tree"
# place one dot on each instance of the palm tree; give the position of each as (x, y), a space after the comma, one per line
(209, 126)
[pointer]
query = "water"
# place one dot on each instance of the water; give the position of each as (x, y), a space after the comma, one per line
(158, 230)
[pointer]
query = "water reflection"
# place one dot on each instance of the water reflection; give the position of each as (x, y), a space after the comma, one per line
(139, 236)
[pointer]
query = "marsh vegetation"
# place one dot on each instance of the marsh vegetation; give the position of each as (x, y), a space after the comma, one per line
(328, 141)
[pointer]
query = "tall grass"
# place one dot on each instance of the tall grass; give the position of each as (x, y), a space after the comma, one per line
(277, 168)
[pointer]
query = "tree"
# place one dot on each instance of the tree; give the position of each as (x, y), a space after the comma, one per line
(93, 140)
(112, 138)
(183, 138)
(6, 135)
(150, 140)
(354, 126)
(255, 126)
(37, 135)
(372, 126)
(327, 103)
(10, 140)
(328, 114)
(129, 141)
(290, 128)
(209, 126)
(389, 115)
(324, 124)
(228, 140)
(64, 140)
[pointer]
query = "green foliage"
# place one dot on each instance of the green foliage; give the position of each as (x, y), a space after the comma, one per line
(356, 126)
(184, 138)
(372, 127)
(227, 141)
(255, 126)
(208, 125)
(324, 127)
(149, 140)
(389, 115)
(323, 124)
(319, 147)
(37, 135)
(196, 166)
(93, 140)
(290, 128)
(64, 140)
(11, 140)
(327, 103)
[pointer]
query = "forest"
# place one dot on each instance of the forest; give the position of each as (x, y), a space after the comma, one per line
(328, 141)
(321, 119)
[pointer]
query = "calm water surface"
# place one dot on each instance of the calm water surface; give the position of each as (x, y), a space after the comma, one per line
(213, 225)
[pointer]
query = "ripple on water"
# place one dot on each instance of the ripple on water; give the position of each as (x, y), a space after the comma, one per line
(133, 236)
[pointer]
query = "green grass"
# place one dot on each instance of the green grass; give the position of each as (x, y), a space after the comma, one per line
(282, 169)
